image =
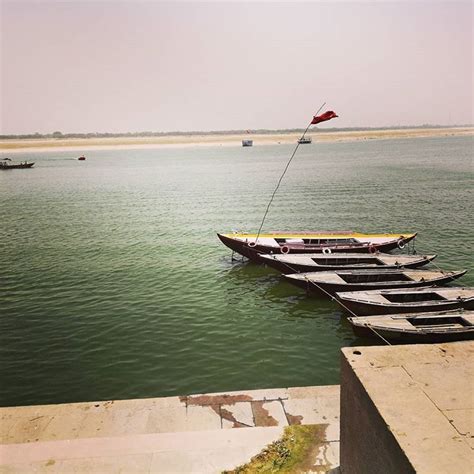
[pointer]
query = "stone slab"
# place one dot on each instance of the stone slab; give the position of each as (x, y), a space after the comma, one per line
(182, 418)
(237, 415)
(315, 411)
(409, 387)
(463, 350)
(462, 420)
(171, 434)
(28, 429)
(269, 413)
(89, 448)
(450, 386)
(392, 356)
(136, 464)
(259, 394)
(327, 456)
(324, 391)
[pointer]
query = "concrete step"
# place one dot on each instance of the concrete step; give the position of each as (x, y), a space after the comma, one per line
(194, 451)
(199, 433)
(254, 408)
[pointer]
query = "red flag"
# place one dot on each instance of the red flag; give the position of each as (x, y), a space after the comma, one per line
(323, 117)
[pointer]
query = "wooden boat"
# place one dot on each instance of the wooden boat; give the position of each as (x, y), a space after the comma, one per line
(312, 242)
(310, 262)
(305, 141)
(353, 280)
(440, 326)
(414, 300)
(12, 166)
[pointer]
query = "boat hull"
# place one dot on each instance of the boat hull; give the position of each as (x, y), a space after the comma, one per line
(324, 288)
(288, 268)
(15, 167)
(404, 337)
(437, 326)
(362, 308)
(251, 250)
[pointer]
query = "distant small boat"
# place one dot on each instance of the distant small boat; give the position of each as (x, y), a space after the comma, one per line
(441, 326)
(247, 142)
(305, 141)
(7, 164)
(310, 262)
(312, 242)
(366, 303)
(355, 280)
(82, 158)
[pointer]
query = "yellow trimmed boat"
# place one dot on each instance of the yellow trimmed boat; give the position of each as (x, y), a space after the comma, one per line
(250, 246)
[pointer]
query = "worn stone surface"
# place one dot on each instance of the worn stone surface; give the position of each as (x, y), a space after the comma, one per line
(205, 451)
(448, 385)
(175, 434)
(463, 350)
(269, 413)
(317, 410)
(463, 423)
(136, 464)
(237, 416)
(407, 399)
(320, 391)
(378, 356)
(327, 455)
(259, 394)
(27, 428)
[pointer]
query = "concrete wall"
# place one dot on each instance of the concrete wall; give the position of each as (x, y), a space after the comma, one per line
(407, 408)
(367, 446)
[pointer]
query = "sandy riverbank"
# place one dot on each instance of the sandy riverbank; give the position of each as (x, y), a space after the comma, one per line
(83, 144)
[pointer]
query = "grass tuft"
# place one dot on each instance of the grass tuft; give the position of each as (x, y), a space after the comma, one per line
(294, 452)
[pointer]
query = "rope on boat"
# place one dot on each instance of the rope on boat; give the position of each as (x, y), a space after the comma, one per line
(283, 174)
(346, 308)
(443, 271)
(340, 302)
(379, 335)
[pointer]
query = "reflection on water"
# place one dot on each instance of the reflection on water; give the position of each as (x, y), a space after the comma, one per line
(114, 284)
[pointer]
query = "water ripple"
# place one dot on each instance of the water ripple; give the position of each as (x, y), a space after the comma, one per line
(114, 285)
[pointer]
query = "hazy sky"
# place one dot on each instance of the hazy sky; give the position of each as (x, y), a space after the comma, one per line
(161, 66)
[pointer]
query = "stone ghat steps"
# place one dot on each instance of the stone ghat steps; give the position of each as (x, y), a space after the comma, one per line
(254, 408)
(199, 433)
(192, 451)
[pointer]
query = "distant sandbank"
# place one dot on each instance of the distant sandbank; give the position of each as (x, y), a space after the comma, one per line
(84, 144)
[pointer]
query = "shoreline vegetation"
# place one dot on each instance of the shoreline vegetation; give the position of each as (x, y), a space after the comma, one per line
(59, 142)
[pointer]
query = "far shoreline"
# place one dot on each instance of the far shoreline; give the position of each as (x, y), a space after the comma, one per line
(10, 146)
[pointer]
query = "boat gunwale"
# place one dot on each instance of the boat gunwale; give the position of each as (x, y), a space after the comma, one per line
(364, 322)
(449, 274)
(342, 234)
(340, 295)
(384, 329)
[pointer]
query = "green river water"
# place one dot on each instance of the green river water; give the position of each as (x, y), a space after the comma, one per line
(114, 285)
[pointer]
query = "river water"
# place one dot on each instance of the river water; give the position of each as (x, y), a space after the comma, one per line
(114, 285)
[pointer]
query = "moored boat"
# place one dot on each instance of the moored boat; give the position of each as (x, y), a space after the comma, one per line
(390, 301)
(440, 326)
(250, 245)
(354, 280)
(305, 141)
(297, 263)
(247, 142)
(7, 164)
